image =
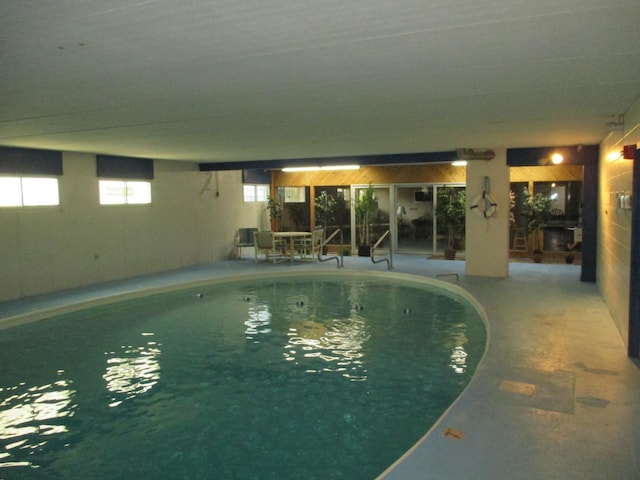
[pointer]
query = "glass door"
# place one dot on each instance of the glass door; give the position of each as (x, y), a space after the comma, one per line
(415, 218)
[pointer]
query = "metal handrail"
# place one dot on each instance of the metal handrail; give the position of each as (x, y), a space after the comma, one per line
(373, 249)
(339, 259)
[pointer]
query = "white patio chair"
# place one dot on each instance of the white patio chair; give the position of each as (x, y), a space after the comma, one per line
(309, 247)
(265, 243)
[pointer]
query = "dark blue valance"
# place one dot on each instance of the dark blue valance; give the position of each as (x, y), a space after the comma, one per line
(29, 161)
(110, 166)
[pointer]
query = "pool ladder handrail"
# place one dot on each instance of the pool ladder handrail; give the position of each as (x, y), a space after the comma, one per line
(339, 259)
(389, 260)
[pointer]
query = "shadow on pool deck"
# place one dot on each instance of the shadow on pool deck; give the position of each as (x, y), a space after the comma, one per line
(555, 398)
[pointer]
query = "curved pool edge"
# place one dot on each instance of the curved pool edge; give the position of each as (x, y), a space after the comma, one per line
(105, 299)
(479, 308)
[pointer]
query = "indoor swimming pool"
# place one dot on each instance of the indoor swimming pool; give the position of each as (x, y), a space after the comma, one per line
(288, 377)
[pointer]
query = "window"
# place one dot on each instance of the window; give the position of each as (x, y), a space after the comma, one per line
(344, 193)
(255, 193)
(120, 192)
(128, 180)
(28, 192)
(294, 195)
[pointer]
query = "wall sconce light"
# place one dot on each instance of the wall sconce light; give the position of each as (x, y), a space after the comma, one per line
(628, 152)
(614, 155)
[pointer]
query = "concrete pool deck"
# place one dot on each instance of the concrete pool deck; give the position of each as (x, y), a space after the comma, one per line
(555, 397)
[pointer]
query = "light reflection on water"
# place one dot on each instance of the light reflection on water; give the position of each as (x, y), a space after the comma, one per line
(134, 371)
(259, 322)
(30, 416)
(336, 345)
(459, 360)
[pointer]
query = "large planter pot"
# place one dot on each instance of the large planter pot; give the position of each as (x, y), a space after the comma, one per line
(449, 253)
(364, 250)
(537, 256)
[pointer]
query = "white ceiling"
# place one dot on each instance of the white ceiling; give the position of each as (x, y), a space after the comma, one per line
(225, 80)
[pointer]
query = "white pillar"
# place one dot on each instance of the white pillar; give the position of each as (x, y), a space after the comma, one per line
(487, 239)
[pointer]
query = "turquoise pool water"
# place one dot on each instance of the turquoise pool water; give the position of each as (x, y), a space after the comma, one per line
(289, 378)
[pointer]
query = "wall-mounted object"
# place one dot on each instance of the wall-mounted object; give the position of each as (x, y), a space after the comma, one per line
(621, 200)
(422, 196)
(474, 154)
(629, 152)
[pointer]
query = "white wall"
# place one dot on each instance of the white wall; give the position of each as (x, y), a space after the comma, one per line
(79, 243)
(487, 239)
(614, 224)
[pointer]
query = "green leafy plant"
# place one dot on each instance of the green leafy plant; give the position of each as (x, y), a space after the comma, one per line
(325, 207)
(537, 209)
(450, 212)
(365, 208)
(275, 208)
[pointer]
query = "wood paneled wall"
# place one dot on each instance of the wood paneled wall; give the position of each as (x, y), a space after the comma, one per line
(432, 173)
(556, 173)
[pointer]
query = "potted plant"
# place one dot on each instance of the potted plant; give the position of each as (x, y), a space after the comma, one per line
(274, 206)
(325, 205)
(450, 213)
(537, 209)
(365, 206)
(569, 257)
(572, 247)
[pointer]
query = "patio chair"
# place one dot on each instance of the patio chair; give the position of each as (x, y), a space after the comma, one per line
(310, 247)
(265, 243)
(244, 238)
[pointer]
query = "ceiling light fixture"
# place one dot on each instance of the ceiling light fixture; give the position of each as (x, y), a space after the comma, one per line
(301, 169)
(341, 167)
(459, 163)
(316, 168)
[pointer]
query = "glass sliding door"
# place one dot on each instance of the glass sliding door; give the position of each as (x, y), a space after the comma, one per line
(415, 219)
(410, 213)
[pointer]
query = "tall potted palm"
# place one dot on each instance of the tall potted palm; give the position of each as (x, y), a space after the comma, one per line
(325, 206)
(450, 213)
(365, 206)
(537, 209)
